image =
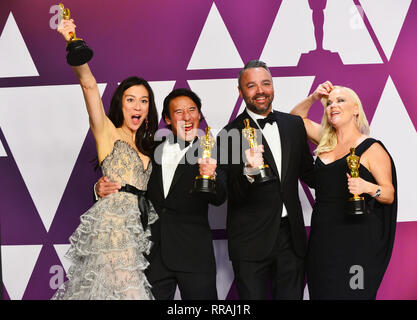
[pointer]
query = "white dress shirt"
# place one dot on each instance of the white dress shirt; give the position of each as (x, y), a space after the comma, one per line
(171, 156)
(271, 134)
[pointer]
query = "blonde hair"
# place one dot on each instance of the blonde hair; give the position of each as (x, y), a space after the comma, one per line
(328, 139)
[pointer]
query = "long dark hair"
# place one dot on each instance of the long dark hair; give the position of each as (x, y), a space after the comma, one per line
(144, 139)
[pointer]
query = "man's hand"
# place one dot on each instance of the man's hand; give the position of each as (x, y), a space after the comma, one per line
(207, 166)
(254, 156)
(104, 187)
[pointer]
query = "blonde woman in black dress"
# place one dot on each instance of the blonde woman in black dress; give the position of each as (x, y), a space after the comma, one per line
(348, 254)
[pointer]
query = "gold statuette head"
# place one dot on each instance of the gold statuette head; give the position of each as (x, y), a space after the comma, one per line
(65, 12)
(250, 134)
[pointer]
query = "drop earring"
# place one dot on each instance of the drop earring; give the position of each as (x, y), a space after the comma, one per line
(146, 134)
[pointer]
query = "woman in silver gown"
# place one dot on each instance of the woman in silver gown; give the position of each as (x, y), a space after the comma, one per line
(107, 248)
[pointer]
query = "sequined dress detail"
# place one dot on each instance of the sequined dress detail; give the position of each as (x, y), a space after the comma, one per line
(107, 248)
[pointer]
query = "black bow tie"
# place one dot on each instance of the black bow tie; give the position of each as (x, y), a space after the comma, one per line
(269, 119)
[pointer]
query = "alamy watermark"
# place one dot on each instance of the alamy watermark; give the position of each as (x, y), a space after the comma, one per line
(57, 278)
(56, 18)
(230, 146)
(356, 282)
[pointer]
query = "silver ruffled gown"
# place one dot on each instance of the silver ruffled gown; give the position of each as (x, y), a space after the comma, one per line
(107, 248)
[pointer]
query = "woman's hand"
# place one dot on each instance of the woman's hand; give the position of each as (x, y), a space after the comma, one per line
(322, 90)
(66, 28)
(358, 185)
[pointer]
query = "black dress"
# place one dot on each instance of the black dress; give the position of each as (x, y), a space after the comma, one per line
(341, 246)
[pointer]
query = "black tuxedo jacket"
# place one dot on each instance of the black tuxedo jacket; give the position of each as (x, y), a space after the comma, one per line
(254, 210)
(182, 234)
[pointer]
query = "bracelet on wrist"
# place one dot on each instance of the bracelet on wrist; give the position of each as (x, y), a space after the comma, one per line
(377, 193)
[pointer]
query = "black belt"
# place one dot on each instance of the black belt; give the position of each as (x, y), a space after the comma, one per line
(142, 203)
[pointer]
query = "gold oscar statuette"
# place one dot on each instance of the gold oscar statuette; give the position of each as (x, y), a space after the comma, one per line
(204, 183)
(356, 203)
(263, 173)
(78, 52)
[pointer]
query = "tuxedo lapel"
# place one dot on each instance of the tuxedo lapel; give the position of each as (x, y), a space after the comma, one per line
(181, 167)
(285, 137)
(177, 175)
(269, 158)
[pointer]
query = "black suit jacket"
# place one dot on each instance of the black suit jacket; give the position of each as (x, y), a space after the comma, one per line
(182, 234)
(254, 210)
